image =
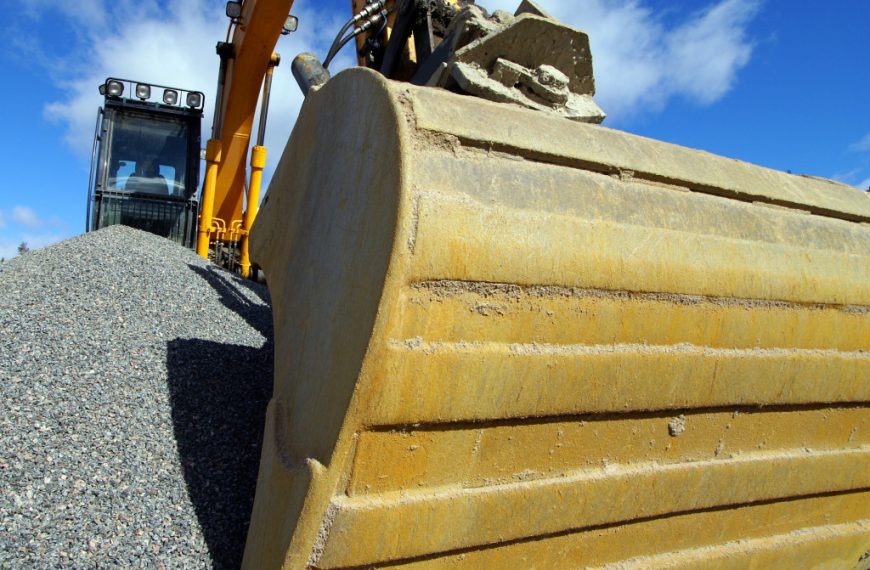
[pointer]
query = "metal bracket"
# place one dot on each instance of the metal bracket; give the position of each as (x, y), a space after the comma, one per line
(530, 60)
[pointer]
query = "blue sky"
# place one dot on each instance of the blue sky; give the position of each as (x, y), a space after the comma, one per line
(781, 83)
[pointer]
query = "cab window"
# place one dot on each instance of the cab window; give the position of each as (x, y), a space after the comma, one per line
(148, 155)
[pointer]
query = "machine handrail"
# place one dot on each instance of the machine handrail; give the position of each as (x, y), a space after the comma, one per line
(91, 172)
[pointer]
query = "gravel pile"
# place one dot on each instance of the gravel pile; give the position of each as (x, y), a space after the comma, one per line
(134, 378)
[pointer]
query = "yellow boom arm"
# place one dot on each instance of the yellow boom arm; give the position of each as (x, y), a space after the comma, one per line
(253, 41)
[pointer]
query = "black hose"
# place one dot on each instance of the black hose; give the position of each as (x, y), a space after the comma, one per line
(364, 27)
(339, 43)
(343, 43)
(337, 39)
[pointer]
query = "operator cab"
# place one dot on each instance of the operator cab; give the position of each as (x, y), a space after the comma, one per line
(145, 163)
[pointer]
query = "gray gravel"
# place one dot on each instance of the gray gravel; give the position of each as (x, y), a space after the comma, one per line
(134, 378)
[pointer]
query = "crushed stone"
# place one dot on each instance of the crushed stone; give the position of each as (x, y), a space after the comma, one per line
(134, 378)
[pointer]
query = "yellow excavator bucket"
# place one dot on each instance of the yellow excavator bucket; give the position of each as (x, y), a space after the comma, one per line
(509, 340)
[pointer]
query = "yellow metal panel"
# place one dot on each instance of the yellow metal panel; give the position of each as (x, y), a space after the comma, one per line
(831, 548)
(420, 382)
(607, 255)
(471, 456)
(450, 311)
(364, 530)
(553, 140)
(510, 341)
(331, 308)
(526, 185)
(678, 538)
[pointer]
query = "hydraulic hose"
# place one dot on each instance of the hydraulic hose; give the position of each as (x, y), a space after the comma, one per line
(338, 43)
(382, 15)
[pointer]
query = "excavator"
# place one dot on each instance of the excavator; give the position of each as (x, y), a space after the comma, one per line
(509, 337)
(145, 160)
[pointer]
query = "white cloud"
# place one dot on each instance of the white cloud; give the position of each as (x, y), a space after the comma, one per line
(641, 62)
(83, 12)
(150, 41)
(177, 47)
(28, 227)
(171, 48)
(8, 248)
(862, 145)
(42, 239)
(9, 243)
(854, 176)
(26, 217)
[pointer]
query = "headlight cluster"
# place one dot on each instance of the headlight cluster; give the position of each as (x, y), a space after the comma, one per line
(142, 91)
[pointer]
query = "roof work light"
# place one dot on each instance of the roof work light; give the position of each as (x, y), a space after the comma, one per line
(115, 88)
(170, 96)
(194, 100)
(234, 10)
(143, 91)
(291, 24)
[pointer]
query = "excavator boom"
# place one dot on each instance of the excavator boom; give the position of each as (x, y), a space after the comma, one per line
(252, 44)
